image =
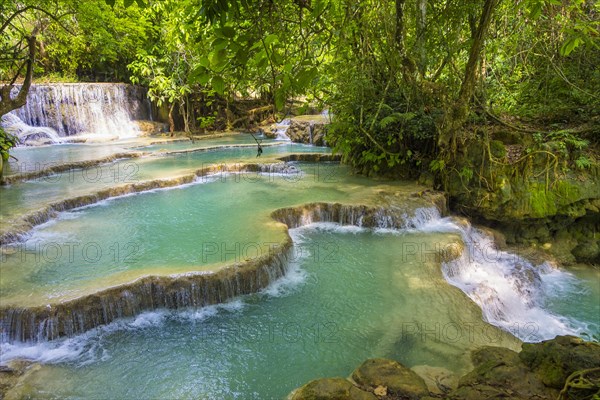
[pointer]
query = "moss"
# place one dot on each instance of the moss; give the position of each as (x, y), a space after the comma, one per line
(541, 202)
(497, 149)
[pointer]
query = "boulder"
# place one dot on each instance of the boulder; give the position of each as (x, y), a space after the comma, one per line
(307, 129)
(554, 360)
(330, 389)
(588, 251)
(400, 381)
(151, 127)
(500, 373)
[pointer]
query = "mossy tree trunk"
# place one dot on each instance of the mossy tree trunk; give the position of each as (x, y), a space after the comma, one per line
(456, 116)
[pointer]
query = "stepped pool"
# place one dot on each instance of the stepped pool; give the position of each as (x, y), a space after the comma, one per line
(254, 276)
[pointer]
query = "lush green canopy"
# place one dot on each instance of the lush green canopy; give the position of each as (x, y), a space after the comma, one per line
(401, 78)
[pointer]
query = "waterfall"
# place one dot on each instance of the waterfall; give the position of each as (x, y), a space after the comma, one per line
(24, 132)
(282, 128)
(510, 290)
(98, 109)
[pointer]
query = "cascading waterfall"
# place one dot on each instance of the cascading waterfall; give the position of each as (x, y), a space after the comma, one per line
(99, 109)
(188, 290)
(24, 132)
(509, 289)
(282, 128)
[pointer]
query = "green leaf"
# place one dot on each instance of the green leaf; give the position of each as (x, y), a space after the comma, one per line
(218, 84)
(204, 61)
(110, 3)
(228, 31)
(304, 77)
(570, 44)
(219, 43)
(270, 39)
(318, 7)
(127, 3)
(199, 75)
(218, 58)
(279, 99)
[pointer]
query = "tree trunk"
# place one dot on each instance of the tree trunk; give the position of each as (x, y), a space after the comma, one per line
(399, 36)
(421, 12)
(457, 116)
(6, 103)
(171, 120)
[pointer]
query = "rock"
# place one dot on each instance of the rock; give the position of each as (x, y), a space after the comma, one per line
(500, 373)
(438, 380)
(301, 127)
(587, 251)
(400, 381)
(380, 391)
(330, 389)
(554, 360)
(151, 127)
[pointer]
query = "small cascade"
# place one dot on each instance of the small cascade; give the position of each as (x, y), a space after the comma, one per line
(311, 127)
(96, 109)
(150, 293)
(358, 215)
(508, 288)
(282, 128)
(27, 133)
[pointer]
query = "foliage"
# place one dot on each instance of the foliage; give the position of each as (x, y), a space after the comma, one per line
(7, 142)
(401, 78)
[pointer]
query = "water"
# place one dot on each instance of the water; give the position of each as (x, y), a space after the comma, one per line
(34, 194)
(347, 297)
(282, 127)
(63, 258)
(90, 110)
(419, 288)
(24, 132)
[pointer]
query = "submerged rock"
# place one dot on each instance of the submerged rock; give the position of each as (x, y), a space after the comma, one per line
(330, 389)
(400, 381)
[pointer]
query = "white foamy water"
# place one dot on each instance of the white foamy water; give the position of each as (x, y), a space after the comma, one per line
(92, 111)
(510, 290)
(88, 347)
(282, 128)
(24, 132)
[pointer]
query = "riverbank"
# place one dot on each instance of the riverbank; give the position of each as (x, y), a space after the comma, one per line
(565, 367)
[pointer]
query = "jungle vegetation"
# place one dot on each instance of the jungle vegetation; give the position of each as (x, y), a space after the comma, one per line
(410, 84)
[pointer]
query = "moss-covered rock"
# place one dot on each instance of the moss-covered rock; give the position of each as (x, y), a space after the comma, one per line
(587, 251)
(399, 380)
(554, 360)
(500, 373)
(330, 389)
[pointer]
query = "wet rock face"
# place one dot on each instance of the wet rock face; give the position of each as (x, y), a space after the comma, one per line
(587, 251)
(151, 127)
(398, 380)
(304, 130)
(554, 360)
(301, 131)
(540, 371)
(331, 389)
(499, 373)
